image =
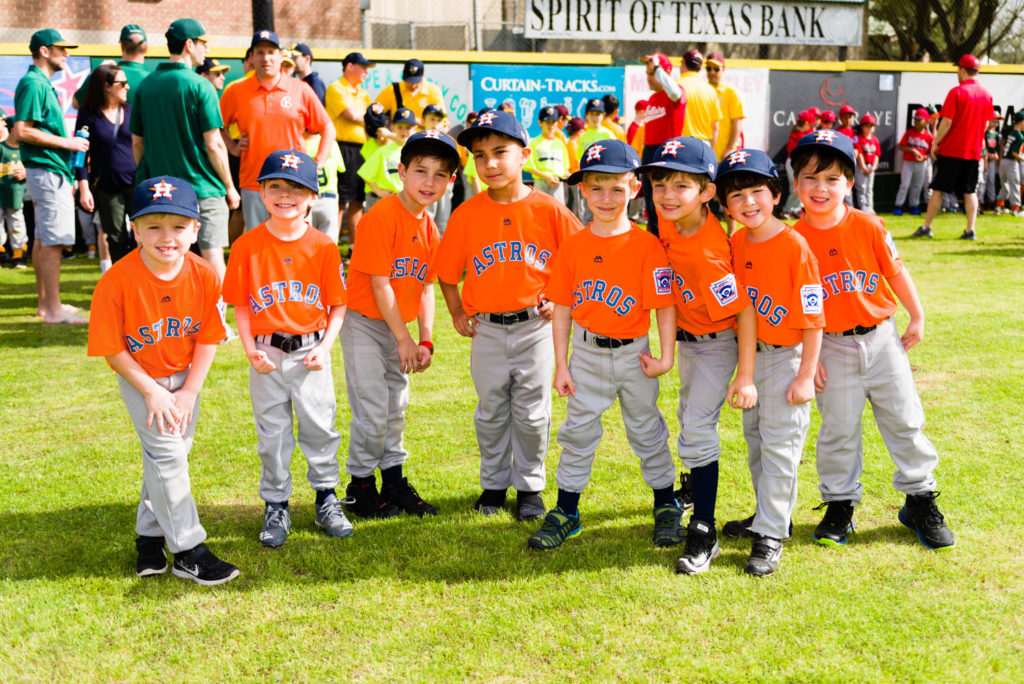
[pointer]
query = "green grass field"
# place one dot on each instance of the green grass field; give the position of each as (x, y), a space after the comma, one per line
(461, 597)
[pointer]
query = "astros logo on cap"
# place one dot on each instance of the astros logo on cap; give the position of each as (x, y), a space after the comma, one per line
(265, 34)
(595, 152)
(670, 147)
(486, 119)
(824, 135)
(162, 189)
(739, 157)
(290, 161)
(432, 133)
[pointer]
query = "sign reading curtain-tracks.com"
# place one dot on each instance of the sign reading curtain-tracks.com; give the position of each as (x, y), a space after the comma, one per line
(826, 22)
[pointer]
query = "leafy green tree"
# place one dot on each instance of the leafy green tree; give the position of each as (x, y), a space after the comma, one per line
(943, 30)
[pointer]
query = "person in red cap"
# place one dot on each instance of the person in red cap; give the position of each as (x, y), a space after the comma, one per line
(828, 119)
(958, 145)
(663, 119)
(915, 145)
(638, 121)
(867, 149)
(846, 114)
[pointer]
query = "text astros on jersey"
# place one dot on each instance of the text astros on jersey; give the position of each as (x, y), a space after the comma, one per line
(165, 327)
(510, 250)
(285, 290)
(594, 291)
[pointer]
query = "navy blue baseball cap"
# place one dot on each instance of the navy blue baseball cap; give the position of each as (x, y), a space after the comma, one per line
(433, 109)
(683, 154)
(432, 142)
(548, 113)
(293, 165)
(495, 121)
(833, 140)
(165, 195)
(750, 161)
(412, 71)
(606, 156)
(403, 115)
(265, 36)
(594, 105)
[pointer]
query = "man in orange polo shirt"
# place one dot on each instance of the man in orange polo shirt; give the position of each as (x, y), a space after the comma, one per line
(273, 112)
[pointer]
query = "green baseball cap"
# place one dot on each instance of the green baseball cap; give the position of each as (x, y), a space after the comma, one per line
(187, 29)
(131, 31)
(48, 37)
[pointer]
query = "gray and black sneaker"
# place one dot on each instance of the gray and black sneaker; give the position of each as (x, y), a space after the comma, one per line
(765, 554)
(668, 525)
(740, 529)
(836, 524)
(332, 519)
(701, 548)
(201, 566)
(684, 495)
(404, 497)
(490, 502)
(529, 506)
(366, 502)
(922, 232)
(921, 515)
(152, 559)
(277, 523)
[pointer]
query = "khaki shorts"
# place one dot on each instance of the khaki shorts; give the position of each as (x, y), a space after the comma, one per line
(54, 207)
(213, 223)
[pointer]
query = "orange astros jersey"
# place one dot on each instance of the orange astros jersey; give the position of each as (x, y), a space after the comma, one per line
(392, 242)
(780, 276)
(855, 258)
(706, 295)
(612, 282)
(505, 250)
(287, 286)
(158, 321)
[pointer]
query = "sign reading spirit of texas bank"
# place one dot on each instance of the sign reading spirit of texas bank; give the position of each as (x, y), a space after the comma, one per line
(820, 22)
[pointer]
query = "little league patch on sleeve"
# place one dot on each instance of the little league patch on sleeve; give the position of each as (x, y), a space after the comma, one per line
(811, 299)
(724, 290)
(891, 245)
(663, 280)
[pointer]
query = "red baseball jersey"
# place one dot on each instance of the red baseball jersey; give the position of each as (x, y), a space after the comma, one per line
(855, 259)
(612, 282)
(706, 295)
(392, 242)
(287, 285)
(919, 140)
(505, 250)
(663, 118)
(780, 275)
(847, 131)
(969, 106)
(868, 146)
(158, 321)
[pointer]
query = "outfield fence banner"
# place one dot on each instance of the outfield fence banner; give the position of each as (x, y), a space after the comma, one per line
(920, 89)
(825, 22)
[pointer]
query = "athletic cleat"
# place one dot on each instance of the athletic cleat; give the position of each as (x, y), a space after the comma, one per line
(836, 524)
(765, 554)
(915, 212)
(529, 506)
(684, 495)
(200, 565)
(668, 525)
(740, 529)
(922, 232)
(490, 502)
(277, 523)
(969, 234)
(152, 559)
(366, 502)
(898, 211)
(921, 515)
(331, 517)
(404, 497)
(556, 528)
(701, 548)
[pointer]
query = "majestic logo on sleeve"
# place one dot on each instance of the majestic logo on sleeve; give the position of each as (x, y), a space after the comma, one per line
(162, 189)
(724, 290)
(811, 299)
(738, 158)
(663, 280)
(670, 148)
(594, 152)
(290, 161)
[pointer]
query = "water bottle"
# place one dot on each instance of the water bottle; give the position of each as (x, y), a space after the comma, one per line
(77, 157)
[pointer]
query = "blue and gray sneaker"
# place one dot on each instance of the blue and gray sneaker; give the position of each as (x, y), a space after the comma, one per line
(668, 520)
(556, 528)
(331, 517)
(276, 525)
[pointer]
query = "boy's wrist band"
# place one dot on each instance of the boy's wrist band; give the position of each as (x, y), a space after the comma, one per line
(429, 345)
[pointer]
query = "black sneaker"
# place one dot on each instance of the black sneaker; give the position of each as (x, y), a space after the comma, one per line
(836, 524)
(684, 495)
(968, 235)
(740, 529)
(701, 548)
(922, 231)
(200, 565)
(765, 554)
(490, 502)
(404, 496)
(366, 502)
(922, 516)
(152, 559)
(529, 506)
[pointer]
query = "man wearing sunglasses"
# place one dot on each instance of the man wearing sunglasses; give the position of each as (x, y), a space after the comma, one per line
(730, 128)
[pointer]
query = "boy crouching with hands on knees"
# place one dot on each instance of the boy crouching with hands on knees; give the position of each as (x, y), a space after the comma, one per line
(605, 280)
(155, 319)
(284, 278)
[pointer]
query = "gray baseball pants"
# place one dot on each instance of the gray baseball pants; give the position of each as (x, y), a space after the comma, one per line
(775, 434)
(378, 394)
(600, 375)
(441, 210)
(1009, 175)
(864, 188)
(311, 395)
(556, 191)
(166, 506)
(911, 182)
(253, 211)
(511, 366)
(706, 368)
(873, 368)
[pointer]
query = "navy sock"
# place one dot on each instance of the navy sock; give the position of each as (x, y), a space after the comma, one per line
(705, 491)
(368, 480)
(663, 497)
(391, 476)
(569, 502)
(322, 494)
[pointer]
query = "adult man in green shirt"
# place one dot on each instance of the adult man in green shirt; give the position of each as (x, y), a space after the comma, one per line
(45, 150)
(176, 108)
(133, 63)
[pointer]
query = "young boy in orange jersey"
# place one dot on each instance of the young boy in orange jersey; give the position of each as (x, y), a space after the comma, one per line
(780, 275)
(285, 280)
(710, 309)
(155, 319)
(504, 240)
(606, 280)
(863, 356)
(390, 284)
